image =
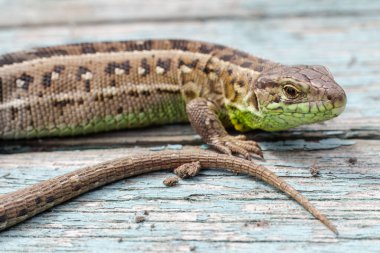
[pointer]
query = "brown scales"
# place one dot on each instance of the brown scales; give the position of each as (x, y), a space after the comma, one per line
(92, 76)
(219, 51)
(64, 86)
(196, 74)
(25, 203)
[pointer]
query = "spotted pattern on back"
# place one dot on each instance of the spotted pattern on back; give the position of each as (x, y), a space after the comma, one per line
(92, 87)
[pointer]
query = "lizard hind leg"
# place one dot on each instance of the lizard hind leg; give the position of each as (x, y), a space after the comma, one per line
(203, 116)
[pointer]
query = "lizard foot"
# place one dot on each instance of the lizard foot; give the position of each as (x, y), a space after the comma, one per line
(237, 144)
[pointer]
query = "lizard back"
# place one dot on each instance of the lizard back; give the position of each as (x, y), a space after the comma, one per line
(92, 87)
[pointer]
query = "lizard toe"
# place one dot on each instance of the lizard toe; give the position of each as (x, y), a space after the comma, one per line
(221, 148)
(240, 137)
(235, 148)
(238, 145)
(252, 147)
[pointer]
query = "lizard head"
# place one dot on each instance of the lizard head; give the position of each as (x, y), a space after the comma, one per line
(289, 96)
(283, 97)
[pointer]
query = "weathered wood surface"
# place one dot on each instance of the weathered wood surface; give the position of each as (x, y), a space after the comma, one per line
(216, 211)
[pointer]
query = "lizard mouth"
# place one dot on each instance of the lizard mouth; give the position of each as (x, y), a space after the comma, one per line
(338, 102)
(339, 105)
(338, 110)
(293, 115)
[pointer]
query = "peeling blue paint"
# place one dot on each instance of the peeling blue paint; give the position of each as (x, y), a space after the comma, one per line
(300, 144)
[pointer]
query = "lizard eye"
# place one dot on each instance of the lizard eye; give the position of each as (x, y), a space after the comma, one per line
(290, 91)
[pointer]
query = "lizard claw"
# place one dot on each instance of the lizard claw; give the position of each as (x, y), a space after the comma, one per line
(237, 144)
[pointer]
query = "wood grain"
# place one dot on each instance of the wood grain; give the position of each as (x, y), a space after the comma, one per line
(65, 12)
(215, 211)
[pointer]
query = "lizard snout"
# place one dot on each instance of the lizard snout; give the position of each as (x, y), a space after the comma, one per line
(338, 99)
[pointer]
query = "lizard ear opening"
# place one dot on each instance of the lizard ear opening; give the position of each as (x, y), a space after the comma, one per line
(251, 99)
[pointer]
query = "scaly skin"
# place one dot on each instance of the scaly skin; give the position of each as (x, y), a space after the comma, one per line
(25, 203)
(317, 98)
(93, 87)
(87, 88)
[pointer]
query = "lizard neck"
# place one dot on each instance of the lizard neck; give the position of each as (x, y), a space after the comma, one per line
(240, 99)
(231, 87)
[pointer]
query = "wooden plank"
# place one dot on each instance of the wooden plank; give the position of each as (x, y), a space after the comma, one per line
(164, 135)
(217, 211)
(214, 211)
(82, 12)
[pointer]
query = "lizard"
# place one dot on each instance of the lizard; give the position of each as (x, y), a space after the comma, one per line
(85, 88)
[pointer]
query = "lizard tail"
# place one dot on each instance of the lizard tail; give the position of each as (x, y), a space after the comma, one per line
(27, 202)
(264, 174)
(277, 182)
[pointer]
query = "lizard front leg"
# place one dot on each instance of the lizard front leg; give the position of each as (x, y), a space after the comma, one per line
(203, 116)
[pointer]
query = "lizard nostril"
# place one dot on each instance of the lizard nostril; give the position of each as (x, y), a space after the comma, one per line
(329, 97)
